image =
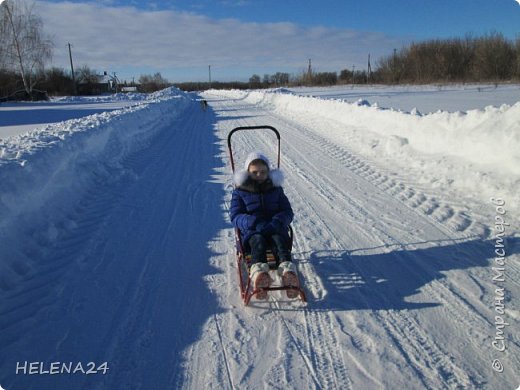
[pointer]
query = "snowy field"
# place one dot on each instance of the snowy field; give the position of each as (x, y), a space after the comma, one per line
(17, 118)
(425, 99)
(117, 267)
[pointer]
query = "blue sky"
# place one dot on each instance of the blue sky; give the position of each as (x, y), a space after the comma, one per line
(239, 38)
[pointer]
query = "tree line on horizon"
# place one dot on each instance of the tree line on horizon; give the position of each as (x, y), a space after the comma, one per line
(25, 50)
(489, 58)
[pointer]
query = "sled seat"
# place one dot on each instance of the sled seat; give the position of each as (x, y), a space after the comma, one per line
(272, 261)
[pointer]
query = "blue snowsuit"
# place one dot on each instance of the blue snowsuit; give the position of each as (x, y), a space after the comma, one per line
(254, 205)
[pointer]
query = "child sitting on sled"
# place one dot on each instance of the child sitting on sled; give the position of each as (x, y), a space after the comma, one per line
(262, 213)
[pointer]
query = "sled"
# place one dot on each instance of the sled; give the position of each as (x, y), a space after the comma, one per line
(244, 259)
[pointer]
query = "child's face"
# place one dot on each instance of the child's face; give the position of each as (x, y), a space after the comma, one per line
(258, 172)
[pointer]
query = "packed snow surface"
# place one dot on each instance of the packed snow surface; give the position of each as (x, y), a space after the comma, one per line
(117, 257)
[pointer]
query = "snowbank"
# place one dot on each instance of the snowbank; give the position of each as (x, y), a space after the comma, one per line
(474, 151)
(44, 173)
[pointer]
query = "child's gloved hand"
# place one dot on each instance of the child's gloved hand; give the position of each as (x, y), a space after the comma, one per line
(261, 225)
(272, 227)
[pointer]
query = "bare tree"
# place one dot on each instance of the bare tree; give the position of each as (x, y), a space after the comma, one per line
(23, 45)
(86, 75)
(153, 83)
(255, 81)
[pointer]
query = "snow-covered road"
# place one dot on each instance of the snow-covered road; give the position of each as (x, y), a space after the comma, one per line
(138, 269)
(397, 280)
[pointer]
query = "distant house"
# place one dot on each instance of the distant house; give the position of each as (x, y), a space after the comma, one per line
(108, 82)
(98, 85)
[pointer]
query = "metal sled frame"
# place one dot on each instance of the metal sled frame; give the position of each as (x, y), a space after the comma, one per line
(243, 263)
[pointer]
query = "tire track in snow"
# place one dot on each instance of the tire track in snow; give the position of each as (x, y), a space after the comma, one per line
(458, 307)
(128, 328)
(38, 291)
(443, 215)
(461, 313)
(304, 354)
(133, 323)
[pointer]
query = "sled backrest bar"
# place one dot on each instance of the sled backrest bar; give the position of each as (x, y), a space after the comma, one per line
(241, 128)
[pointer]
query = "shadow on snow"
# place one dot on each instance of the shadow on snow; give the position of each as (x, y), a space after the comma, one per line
(129, 284)
(387, 281)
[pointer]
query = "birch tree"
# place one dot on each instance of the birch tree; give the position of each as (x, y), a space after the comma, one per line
(23, 46)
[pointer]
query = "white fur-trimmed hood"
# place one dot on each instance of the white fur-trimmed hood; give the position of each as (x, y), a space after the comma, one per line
(276, 176)
(255, 156)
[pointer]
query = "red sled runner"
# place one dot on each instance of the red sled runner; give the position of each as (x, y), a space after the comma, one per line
(247, 290)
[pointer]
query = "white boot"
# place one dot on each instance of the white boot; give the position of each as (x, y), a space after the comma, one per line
(289, 275)
(259, 274)
(286, 266)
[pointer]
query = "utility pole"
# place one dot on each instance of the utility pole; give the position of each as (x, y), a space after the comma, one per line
(353, 73)
(394, 70)
(309, 72)
(209, 70)
(369, 70)
(116, 81)
(72, 70)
